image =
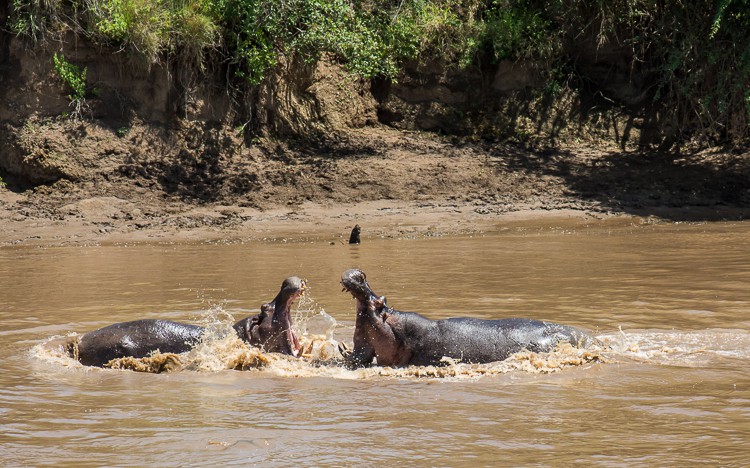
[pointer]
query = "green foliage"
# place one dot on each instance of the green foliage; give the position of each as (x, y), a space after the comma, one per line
(697, 54)
(195, 31)
(136, 24)
(148, 28)
(693, 57)
(516, 30)
(259, 32)
(251, 47)
(336, 27)
(35, 17)
(445, 30)
(373, 38)
(72, 76)
(720, 9)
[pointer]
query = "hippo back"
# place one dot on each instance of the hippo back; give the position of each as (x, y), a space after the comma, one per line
(479, 341)
(137, 339)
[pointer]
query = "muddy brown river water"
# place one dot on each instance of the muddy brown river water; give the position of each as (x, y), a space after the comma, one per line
(671, 301)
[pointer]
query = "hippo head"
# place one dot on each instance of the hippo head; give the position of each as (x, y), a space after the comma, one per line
(354, 236)
(272, 328)
(283, 338)
(373, 332)
(354, 282)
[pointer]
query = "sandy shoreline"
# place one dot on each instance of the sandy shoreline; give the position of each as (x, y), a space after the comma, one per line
(333, 222)
(308, 221)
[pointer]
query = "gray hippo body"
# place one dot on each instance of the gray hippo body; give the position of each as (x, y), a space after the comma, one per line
(405, 338)
(137, 339)
(271, 329)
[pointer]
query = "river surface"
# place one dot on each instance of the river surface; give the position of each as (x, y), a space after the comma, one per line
(672, 388)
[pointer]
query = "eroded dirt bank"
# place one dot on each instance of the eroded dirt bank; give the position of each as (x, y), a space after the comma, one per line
(165, 155)
(392, 183)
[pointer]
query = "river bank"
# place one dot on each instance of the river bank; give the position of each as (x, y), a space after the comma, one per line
(393, 183)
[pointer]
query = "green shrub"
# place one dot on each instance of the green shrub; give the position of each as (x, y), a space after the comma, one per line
(140, 26)
(75, 79)
(258, 32)
(373, 38)
(514, 30)
(195, 31)
(149, 28)
(693, 58)
(695, 55)
(35, 18)
(445, 30)
(72, 76)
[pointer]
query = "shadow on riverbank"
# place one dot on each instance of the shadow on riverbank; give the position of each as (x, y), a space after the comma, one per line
(703, 186)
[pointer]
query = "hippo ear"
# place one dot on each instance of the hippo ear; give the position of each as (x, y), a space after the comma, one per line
(385, 316)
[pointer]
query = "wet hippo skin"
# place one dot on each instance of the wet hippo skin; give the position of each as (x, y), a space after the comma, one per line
(271, 329)
(405, 338)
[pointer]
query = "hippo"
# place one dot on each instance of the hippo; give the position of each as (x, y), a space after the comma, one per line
(354, 236)
(271, 330)
(399, 339)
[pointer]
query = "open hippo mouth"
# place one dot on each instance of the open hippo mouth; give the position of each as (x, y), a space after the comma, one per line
(354, 282)
(291, 289)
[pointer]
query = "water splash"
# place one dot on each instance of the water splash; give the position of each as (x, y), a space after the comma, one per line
(562, 357)
(700, 348)
(55, 350)
(309, 317)
(221, 350)
(154, 364)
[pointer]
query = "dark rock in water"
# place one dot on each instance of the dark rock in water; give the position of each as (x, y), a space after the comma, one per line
(354, 237)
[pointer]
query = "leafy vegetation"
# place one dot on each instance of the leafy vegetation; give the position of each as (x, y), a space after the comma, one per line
(374, 38)
(693, 57)
(75, 78)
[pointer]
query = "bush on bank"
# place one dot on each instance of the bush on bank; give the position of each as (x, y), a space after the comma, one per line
(692, 59)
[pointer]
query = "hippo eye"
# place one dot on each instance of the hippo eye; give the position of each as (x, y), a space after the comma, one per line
(379, 302)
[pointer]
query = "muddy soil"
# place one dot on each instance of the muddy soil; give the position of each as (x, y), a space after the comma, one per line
(391, 182)
(169, 155)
